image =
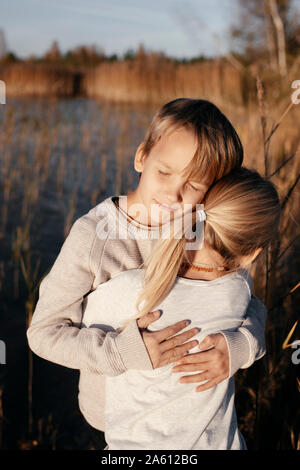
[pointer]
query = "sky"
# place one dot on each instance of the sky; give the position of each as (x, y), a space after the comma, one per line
(180, 28)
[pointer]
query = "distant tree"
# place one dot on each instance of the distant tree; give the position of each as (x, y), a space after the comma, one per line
(141, 53)
(273, 11)
(3, 47)
(112, 58)
(129, 54)
(85, 55)
(31, 59)
(266, 29)
(53, 54)
(9, 58)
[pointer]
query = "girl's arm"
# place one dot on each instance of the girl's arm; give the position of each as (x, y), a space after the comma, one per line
(55, 334)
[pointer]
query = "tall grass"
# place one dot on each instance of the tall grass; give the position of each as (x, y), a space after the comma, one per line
(153, 80)
(38, 80)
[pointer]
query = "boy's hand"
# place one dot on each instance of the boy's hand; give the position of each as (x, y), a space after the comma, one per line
(214, 363)
(161, 350)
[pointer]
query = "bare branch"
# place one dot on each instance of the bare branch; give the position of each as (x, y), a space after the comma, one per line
(290, 191)
(283, 252)
(274, 129)
(284, 297)
(278, 23)
(282, 165)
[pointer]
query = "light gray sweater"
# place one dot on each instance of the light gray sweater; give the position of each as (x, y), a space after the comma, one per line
(90, 256)
(151, 409)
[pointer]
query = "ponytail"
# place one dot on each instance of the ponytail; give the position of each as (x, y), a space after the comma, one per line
(242, 214)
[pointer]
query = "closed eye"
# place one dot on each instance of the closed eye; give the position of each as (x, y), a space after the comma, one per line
(195, 189)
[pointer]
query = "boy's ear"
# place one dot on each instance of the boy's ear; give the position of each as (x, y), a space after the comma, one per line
(139, 159)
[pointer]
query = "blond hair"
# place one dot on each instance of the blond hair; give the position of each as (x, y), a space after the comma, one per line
(219, 148)
(242, 214)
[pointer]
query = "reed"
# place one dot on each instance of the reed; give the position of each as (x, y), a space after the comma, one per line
(38, 80)
(153, 80)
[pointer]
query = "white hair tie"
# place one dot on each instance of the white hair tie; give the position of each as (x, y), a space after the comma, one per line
(201, 214)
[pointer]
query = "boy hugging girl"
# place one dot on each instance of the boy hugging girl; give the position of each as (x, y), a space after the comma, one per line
(89, 314)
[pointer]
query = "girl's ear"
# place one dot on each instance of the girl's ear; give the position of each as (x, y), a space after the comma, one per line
(246, 260)
(139, 159)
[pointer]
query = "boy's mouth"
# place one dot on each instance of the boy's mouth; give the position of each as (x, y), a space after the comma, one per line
(166, 207)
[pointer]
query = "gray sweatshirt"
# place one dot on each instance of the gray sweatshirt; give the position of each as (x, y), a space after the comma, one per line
(91, 255)
(151, 409)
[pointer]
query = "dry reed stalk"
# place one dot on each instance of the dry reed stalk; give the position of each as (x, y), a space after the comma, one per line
(286, 344)
(2, 274)
(94, 197)
(275, 127)
(281, 255)
(103, 172)
(71, 211)
(1, 417)
(122, 145)
(16, 252)
(85, 138)
(32, 286)
(60, 174)
(89, 168)
(6, 192)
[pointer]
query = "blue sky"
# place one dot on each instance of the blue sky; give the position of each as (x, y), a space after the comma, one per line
(180, 28)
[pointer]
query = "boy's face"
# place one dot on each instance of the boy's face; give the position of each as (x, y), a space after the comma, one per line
(162, 189)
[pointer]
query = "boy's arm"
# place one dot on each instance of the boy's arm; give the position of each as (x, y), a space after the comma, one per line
(247, 344)
(55, 334)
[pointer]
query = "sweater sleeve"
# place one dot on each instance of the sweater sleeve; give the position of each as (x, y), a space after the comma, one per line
(55, 334)
(247, 344)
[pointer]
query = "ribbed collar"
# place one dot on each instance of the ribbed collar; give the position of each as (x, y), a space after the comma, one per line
(133, 227)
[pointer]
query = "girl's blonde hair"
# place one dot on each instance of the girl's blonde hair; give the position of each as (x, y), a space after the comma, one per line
(219, 148)
(242, 214)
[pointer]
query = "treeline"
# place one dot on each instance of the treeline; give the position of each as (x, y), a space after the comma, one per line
(140, 76)
(148, 79)
(91, 56)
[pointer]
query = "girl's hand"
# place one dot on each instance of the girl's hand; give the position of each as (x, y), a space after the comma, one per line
(213, 364)
(161, 350)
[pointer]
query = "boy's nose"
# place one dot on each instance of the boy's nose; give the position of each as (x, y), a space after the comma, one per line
(172, 197)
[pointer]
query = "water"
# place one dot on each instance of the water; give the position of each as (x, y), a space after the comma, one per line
(89, 147)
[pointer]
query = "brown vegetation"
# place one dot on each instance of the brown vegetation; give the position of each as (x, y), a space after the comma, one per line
(147, 79)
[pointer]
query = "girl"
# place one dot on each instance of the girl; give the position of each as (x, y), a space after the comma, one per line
(152, 409)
